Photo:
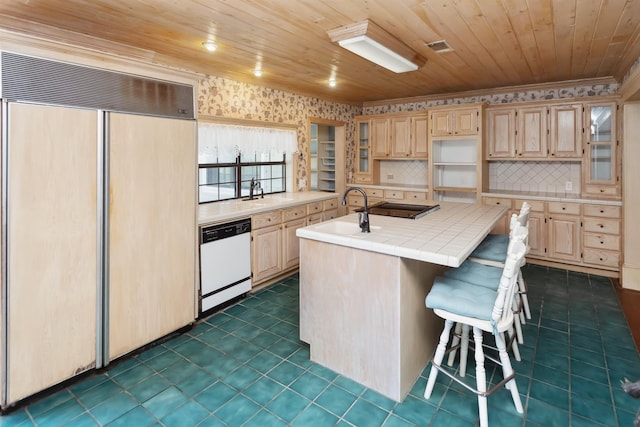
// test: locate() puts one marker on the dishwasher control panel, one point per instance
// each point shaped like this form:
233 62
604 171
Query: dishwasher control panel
222 231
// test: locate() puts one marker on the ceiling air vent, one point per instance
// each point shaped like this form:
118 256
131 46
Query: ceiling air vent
441 46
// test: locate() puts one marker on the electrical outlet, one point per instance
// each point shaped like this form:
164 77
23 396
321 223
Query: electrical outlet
568 186
389 176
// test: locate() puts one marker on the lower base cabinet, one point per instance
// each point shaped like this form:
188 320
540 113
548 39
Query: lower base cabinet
578 234
275 247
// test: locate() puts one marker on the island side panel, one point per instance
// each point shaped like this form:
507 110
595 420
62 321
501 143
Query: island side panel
420 327
363 315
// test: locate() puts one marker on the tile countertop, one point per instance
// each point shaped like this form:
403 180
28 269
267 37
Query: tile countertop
550 197
209 213
446 236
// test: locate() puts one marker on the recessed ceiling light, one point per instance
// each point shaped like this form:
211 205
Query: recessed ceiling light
210 45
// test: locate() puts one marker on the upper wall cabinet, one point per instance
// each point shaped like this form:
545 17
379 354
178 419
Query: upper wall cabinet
566 131
454 122
535 132
400 136
363 151
600 170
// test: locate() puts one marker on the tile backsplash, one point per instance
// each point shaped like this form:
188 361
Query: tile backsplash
548 177
408 172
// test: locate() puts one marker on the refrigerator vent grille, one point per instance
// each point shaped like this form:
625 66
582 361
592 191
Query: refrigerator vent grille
30 79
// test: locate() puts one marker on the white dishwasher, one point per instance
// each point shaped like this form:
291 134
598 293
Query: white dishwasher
225 262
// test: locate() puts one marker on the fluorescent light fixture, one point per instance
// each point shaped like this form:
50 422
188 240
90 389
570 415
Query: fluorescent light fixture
373 43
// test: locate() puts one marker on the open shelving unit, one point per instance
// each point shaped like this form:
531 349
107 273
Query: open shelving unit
455 165
323 158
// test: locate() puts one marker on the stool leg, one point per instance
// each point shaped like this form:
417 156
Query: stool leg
507 370
523 294
518 320
437 358
464 350
514 344
454 342
481 378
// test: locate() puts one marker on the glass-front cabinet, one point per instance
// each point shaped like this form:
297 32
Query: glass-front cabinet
601 169
363 151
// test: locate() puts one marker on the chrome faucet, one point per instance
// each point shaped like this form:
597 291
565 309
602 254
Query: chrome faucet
255 185
363 217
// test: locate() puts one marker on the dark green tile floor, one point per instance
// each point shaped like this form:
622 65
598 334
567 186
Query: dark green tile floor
246 367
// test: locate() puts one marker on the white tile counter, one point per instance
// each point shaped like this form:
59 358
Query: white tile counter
210 213
550 197
446 236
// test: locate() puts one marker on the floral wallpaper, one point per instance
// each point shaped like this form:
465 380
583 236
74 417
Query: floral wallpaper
231 99
500 98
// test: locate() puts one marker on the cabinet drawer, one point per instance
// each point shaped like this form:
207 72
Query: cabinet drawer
393 194
358 201
374 192
415 195
266 219
563 208
363 179
497 201
315 218
536 205
602 257
329 214
601 225
314 207
602 211
330 204
294 213
601 190
601 241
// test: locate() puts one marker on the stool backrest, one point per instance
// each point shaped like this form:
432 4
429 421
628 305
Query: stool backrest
509 278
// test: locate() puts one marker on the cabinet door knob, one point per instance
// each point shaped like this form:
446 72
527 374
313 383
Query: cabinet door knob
600 225
601 210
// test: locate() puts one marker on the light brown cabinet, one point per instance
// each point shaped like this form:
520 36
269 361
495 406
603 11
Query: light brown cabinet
566 131
454 122
601 168
531 140
534 132
601 235
274 243
363 173
564 233
380 137
501 133
569 233
399 137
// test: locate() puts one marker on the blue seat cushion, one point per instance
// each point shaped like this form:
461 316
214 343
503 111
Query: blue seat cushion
493 248
477 274
461 298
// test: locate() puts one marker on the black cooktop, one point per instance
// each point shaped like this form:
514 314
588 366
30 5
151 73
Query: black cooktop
401 210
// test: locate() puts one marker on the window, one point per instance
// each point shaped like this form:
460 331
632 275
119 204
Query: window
223 181
230 156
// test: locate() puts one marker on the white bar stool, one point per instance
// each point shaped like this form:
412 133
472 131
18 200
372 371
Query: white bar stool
482 309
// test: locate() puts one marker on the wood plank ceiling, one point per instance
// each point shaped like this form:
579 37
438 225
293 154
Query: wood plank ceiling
496 43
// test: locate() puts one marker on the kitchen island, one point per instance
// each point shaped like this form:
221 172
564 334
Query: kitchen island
362 294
